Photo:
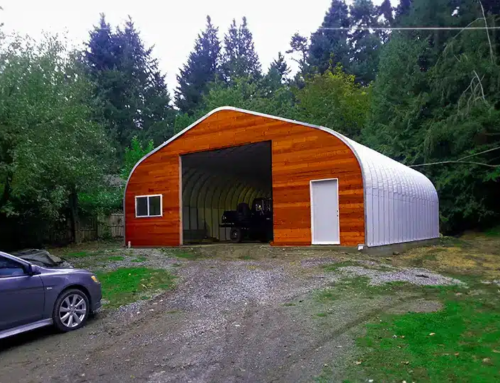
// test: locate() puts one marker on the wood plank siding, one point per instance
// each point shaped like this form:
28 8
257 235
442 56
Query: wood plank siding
299 154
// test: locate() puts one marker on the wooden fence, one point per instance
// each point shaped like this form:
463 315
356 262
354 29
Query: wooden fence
91 229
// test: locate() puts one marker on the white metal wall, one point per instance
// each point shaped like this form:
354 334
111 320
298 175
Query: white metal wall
401 204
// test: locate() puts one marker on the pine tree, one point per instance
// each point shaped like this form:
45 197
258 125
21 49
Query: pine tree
280 66
201 69
240 58
364 44
299 45
403 8
128 85
330 47
100 47
387 11
436 99
385 15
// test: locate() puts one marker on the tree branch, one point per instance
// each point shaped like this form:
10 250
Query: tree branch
492 54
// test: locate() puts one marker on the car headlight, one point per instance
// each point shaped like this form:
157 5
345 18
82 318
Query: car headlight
94 278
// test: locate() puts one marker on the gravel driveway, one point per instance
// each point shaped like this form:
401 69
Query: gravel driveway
227 321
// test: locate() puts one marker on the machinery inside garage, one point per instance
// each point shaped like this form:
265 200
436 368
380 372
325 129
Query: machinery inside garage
224 181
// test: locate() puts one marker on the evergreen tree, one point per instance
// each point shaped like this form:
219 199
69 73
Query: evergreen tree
201 69
299 45
385 16
280 66
364 44
330 47
387 11
403 8
100 55
128 85
240 58
436 99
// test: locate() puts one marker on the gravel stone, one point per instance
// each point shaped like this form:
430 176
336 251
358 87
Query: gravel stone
226 321
416 276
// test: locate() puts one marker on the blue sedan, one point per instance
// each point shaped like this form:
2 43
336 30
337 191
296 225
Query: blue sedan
32 296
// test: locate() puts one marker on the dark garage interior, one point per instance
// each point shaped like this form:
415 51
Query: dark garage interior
217 181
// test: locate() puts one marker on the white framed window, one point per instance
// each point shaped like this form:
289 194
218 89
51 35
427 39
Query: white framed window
149 205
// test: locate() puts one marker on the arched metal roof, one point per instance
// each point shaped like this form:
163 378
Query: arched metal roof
393 191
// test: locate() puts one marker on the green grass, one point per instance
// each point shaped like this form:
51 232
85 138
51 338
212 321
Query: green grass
326 295
288 304
78 254
115 258
493 232
464 345
321 315
127 285
139 259
336 266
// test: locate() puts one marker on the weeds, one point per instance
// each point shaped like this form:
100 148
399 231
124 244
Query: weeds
115 258
127 285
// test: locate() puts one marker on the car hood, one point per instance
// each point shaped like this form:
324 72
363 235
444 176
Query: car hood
46 271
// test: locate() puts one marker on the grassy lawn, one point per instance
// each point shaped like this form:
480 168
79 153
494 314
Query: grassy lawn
459 343
128 285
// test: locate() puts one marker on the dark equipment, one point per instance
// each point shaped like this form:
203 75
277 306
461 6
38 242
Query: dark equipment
254 223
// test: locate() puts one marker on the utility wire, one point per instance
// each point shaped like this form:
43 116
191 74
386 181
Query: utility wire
460 160
408 28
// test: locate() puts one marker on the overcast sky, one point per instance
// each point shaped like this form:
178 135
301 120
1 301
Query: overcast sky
170 25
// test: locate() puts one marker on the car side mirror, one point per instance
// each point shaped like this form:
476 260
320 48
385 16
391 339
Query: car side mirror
32 270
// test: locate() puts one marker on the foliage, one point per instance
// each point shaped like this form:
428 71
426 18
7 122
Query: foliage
128 285
364 44
50 148
334 100
240 58
133 154
436 99
331 47
280 66
133 96
267 95
202 68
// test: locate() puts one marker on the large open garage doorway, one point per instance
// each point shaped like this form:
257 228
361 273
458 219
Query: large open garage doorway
234 182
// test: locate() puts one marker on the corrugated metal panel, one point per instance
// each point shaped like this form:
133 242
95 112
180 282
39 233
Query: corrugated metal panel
401 204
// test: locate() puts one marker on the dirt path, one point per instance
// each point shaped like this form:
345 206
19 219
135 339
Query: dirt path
227 321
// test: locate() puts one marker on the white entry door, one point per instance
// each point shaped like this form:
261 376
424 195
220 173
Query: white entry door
325 212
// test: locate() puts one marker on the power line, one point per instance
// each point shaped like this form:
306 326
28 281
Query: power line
460 160
409 28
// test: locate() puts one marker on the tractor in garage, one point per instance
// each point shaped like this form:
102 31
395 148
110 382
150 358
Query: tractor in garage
255 223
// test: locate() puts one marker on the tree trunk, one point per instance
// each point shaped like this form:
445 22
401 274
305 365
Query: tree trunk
6 190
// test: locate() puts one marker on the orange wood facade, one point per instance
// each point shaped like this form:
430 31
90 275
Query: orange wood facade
299 154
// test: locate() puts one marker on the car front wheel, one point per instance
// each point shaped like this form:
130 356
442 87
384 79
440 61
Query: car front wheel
71 310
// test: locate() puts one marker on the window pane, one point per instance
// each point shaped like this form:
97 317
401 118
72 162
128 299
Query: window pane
9 268
154 205
142 206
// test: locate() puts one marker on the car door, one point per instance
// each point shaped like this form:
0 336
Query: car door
21 295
